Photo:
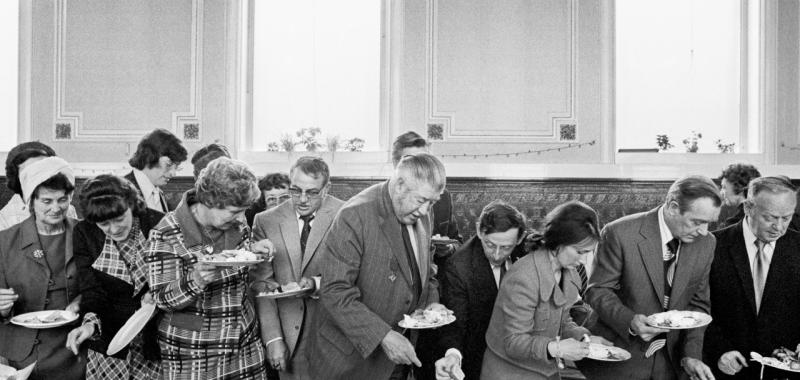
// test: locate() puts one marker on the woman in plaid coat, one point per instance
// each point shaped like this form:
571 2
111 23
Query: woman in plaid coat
208 329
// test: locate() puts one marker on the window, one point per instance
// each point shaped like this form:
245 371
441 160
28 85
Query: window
316 64
688 69
9 69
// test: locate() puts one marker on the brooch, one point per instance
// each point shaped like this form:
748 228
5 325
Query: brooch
38 253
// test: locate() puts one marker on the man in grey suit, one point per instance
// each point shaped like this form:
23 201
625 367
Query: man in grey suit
376 266
296 228
648 263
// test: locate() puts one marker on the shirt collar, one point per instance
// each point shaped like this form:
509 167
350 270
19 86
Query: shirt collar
749 237
145 185
666 234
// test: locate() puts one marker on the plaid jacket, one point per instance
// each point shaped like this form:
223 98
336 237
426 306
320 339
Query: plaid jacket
197 321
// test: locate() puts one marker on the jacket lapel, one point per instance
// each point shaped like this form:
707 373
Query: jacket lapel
70 226
481 267
738 256
30 244
322 220
291 238
651 252
390 227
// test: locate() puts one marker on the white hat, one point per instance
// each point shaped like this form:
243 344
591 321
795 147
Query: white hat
40 171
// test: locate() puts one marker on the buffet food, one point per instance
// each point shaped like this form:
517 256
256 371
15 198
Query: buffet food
427 318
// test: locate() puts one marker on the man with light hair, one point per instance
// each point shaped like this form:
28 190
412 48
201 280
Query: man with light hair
376 266
754 283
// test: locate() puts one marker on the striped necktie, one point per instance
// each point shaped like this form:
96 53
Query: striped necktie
584 279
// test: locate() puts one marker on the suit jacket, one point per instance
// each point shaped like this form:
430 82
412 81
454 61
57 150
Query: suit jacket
284 317
531 310
469 290
162 198
28 275
736 326
100 290
628 279
366 287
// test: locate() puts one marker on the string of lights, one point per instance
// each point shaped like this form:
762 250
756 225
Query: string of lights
517 154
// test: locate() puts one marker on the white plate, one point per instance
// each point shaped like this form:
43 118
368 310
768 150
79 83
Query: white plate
10 373
607 353
420 325
231 263
771 362
679 320
276 295
131 328
24 319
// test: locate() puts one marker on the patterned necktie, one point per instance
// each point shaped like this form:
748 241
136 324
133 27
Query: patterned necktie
669 274
584 279
306 230
760 268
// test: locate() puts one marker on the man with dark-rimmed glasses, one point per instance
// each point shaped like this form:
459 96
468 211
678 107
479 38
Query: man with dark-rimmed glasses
296 227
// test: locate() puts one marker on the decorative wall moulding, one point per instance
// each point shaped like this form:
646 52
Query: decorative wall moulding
191 131
70 123
542 90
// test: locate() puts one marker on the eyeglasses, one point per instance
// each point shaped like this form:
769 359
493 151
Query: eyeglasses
310 194
275 199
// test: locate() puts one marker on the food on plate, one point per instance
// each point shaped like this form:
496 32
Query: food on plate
288 287
676 319
788 357
426 317
230 255
55 316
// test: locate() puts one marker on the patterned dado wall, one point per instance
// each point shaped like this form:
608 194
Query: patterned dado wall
611 198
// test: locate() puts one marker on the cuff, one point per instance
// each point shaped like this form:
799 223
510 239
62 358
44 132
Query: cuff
91 318
318 284
454 351
273 340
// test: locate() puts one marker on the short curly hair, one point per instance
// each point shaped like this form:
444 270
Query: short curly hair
739 176
156 144
570 223
108 196
226 182
274 181
499 216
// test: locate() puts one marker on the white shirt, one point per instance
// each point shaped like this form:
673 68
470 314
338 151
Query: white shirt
666 235
300 222
151 193
496 272
750 241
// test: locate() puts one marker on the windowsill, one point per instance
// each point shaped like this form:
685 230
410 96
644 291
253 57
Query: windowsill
633 166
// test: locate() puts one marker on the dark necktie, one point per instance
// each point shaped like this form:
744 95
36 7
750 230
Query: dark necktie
502 272
584 279
412 262
306 230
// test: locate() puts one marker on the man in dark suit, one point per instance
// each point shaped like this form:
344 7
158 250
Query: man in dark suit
648 263
754 283
376 266
296 227
156 160
470 281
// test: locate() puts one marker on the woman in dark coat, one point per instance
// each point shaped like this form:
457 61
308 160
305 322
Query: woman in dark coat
38 272
109 247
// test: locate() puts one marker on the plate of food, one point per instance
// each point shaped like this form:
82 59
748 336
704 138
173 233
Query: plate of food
607 353
427 319
9 373
439 239
232 258
782 358
291 289
45 319
679 320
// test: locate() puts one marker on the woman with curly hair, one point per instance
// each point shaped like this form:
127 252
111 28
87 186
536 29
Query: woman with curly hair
109 247
733 189
208 329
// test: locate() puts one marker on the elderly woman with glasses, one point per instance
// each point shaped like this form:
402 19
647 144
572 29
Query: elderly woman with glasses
109 246
38 272
208 329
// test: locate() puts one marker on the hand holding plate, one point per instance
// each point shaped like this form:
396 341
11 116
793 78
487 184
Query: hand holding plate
7 299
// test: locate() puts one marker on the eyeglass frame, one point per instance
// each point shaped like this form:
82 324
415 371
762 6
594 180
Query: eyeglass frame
278 199
297 193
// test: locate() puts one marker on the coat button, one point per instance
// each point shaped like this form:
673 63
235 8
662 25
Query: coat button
408 302
69 277
297 327
46 301
36 341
